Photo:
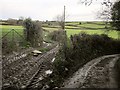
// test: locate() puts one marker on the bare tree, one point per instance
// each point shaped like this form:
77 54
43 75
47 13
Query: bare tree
89 2
115 12
20 20
60 21
105 14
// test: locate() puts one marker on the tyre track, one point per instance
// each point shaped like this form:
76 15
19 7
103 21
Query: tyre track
80 76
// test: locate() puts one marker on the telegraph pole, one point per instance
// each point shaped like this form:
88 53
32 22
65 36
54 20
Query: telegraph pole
64 18
65 37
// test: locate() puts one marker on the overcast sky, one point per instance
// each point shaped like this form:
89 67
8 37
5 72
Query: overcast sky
49 9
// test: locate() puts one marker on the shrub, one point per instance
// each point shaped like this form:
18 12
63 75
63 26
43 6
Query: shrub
59 35
33 32
8 47
80 23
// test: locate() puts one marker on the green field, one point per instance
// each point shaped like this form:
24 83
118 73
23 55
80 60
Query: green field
90 28
7 28
71 28
9 34
113 34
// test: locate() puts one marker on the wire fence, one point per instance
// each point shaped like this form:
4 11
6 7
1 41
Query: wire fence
12 41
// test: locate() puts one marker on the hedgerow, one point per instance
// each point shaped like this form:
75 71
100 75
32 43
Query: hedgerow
82 49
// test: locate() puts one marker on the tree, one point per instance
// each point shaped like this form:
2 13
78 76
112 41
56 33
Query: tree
60 21
115 12
12 21
105 15
33 32
20 20
89 2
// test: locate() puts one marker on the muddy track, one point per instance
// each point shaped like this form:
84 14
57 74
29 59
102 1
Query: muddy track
20 72
98 73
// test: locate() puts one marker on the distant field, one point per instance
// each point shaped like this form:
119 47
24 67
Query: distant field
7 32
71 28
90 28
7 28
113 34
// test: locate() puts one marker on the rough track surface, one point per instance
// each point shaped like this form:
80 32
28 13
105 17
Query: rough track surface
98 73
20 72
